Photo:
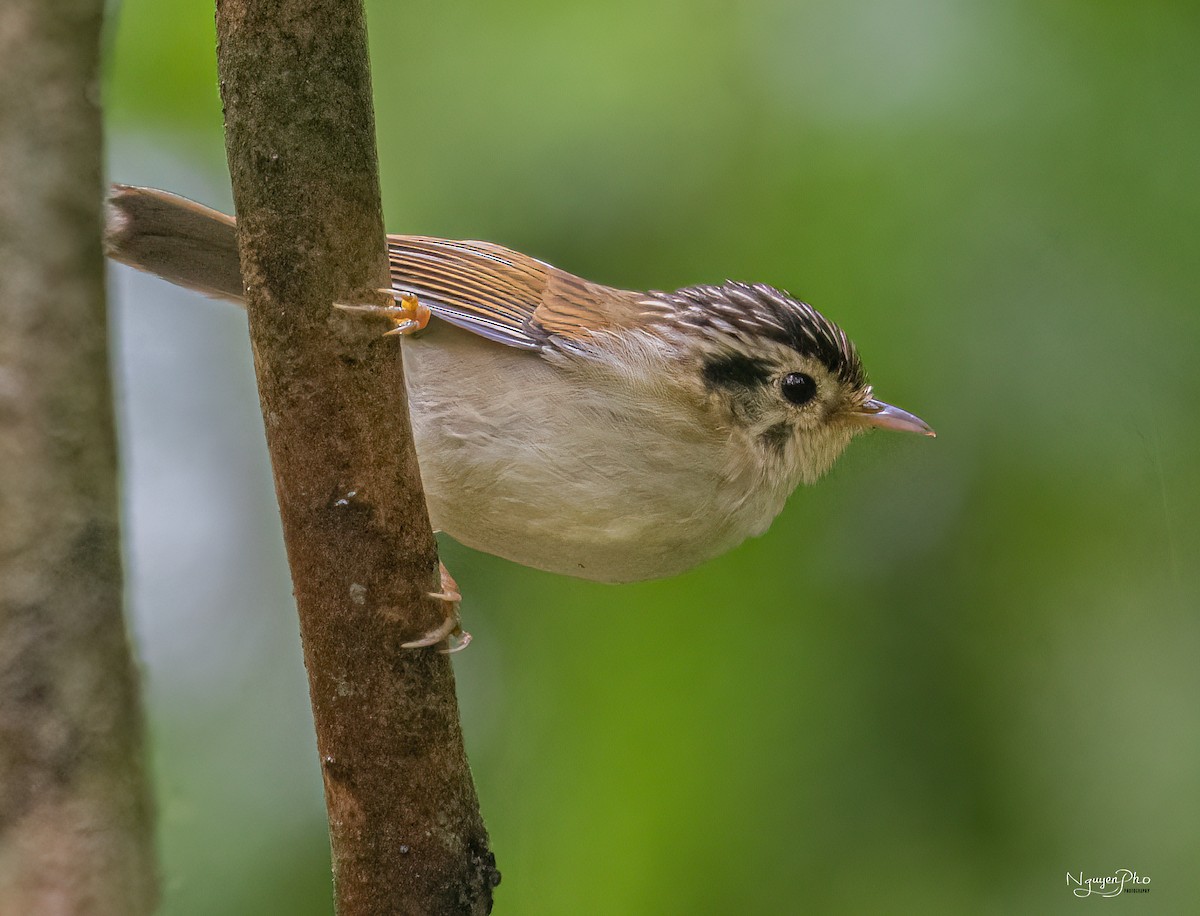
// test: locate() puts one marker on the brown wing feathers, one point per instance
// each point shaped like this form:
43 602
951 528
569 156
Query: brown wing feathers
483 288
504 295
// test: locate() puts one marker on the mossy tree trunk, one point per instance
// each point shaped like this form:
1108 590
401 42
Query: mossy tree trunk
76 819
405 828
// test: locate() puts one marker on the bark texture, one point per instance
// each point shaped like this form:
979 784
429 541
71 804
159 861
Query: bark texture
75 810
405 828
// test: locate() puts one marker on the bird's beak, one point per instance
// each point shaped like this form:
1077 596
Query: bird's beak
876 413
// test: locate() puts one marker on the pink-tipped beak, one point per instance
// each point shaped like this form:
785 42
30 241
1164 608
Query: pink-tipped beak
885 416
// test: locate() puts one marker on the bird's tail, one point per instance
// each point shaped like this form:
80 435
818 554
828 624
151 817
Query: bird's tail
176 238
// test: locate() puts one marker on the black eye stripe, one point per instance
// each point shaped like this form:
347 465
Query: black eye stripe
735 371
798 387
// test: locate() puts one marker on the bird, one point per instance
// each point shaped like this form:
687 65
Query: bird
569 426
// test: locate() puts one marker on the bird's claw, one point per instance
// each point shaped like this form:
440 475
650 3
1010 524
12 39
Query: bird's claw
450 630
406 313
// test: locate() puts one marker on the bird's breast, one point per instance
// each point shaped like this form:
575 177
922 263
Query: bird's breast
525 461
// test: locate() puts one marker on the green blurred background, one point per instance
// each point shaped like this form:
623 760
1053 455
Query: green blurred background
953 671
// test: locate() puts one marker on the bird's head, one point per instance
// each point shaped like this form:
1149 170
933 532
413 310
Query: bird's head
781 376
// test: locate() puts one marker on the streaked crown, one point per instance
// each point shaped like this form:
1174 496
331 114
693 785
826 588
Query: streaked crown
754 311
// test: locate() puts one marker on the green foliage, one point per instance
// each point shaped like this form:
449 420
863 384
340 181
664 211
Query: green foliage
951 672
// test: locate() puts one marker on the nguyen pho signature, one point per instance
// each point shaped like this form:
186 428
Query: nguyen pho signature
1109 885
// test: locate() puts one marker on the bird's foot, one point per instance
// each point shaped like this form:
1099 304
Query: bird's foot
450 630
406 313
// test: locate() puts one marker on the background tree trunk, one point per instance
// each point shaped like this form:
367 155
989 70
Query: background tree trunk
405 827
76 834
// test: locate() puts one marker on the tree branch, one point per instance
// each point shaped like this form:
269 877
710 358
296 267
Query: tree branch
76 825
405 828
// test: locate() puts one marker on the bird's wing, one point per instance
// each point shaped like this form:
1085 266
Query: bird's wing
504 295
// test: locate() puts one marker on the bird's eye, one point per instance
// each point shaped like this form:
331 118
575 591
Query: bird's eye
798 388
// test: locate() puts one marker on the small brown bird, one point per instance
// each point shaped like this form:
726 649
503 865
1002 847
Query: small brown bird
569 426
